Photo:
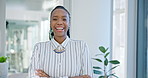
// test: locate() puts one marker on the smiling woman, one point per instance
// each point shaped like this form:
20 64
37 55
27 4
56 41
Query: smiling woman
61 57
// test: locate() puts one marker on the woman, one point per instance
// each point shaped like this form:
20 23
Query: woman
61 57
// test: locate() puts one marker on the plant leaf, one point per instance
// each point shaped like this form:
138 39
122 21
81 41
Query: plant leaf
99 60
114 75
110 75
106 54
98 54
102 49
106 62
3 59
101 76
97 72
97 67
106 49
114 62
112 68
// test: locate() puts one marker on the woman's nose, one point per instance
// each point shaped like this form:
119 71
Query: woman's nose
60 22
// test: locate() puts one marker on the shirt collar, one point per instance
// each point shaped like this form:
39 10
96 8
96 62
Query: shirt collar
64 43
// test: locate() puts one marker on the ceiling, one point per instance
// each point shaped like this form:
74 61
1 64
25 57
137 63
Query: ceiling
36 5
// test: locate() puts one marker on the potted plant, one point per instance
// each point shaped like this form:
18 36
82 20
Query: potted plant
3 67
103 71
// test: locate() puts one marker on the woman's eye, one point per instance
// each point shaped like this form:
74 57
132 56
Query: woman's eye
64 19
54 19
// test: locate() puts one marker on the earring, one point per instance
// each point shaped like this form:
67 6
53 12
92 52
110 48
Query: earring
51 34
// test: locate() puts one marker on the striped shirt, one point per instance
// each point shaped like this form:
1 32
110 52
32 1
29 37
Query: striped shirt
75 61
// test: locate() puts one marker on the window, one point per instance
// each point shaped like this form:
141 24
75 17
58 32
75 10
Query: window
21 36
119 36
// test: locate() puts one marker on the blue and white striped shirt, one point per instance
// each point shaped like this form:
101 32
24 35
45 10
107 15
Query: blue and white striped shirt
75 61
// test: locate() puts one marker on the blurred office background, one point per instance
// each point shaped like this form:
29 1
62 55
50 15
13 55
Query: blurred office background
28 23
120 25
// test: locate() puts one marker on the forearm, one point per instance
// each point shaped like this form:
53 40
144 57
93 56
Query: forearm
76 77
83 76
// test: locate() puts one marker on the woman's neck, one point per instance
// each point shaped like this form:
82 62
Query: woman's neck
60 39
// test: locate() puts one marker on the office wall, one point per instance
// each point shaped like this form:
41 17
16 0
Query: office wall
2 27
91 22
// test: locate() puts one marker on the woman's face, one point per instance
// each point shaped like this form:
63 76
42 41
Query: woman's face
60 22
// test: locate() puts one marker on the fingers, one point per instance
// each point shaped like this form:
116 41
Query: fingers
86 76
41 73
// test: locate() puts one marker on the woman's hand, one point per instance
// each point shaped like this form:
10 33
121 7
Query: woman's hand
41 73
86 76
83 76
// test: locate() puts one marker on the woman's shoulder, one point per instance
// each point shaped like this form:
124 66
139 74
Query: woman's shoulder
42 43
78 41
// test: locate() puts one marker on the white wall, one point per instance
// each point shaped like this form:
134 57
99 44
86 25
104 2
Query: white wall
2 27
91 22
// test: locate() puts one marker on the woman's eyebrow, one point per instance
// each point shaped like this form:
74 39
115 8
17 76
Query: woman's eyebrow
58 16
55 16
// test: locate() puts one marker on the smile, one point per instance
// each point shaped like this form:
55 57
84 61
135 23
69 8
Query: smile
59 29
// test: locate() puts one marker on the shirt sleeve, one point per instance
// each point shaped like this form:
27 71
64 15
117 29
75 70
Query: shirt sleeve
86 62
34 64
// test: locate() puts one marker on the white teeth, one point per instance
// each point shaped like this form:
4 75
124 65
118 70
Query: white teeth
59 28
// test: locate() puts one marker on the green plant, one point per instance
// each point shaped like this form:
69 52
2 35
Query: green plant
3 59
103 71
